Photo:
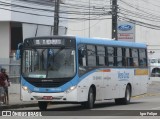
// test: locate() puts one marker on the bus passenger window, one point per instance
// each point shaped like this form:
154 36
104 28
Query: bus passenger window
101 55
91 55
126 57
142 58
119 57
135 57
111 56
129 61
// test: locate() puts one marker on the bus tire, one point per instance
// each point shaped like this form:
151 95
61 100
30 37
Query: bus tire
42 105
91 99
126 99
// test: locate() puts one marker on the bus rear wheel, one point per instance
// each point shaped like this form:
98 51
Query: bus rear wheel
42 105
126 99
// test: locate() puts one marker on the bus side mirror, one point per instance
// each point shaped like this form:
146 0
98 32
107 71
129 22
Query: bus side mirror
18 54
18 51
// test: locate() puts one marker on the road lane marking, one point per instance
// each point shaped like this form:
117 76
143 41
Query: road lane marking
155 108
144 95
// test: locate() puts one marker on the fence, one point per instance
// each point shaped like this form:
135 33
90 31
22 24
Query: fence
12 67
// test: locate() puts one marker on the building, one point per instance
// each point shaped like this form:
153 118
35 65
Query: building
25 18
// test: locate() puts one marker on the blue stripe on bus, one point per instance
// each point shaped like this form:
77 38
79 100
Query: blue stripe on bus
110 42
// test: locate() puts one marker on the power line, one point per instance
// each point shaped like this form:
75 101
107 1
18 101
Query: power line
138 16
73 18
88 27
139 10
49 10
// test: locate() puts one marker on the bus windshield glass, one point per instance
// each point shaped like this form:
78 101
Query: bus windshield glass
48 63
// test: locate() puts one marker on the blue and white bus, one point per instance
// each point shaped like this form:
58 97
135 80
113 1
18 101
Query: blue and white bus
81 70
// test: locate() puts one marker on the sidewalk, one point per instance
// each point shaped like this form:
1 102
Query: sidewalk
15 102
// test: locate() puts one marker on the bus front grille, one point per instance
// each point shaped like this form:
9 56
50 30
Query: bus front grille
47 84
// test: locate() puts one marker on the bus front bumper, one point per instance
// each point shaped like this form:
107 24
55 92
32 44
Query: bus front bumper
54 97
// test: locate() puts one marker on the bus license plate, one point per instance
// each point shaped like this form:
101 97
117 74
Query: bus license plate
47 97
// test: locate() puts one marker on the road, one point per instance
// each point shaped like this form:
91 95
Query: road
144 104
149 102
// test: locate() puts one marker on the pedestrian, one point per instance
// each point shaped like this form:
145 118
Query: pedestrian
2 91
6 85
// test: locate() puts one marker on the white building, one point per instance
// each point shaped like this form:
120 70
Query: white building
24 18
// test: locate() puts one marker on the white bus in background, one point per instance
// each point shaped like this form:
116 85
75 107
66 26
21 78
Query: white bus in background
154 64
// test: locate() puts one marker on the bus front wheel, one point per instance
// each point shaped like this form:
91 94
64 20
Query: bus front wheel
91 99
42 105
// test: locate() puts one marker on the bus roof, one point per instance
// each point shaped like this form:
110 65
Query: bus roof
102 41
99 41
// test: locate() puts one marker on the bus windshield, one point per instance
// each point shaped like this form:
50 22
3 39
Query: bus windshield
48 63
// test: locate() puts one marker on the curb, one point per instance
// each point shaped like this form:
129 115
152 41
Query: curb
15 106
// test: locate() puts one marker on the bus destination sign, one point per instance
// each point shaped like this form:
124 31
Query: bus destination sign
48 42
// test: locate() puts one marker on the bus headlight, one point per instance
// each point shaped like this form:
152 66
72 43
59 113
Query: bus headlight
71 89
25 88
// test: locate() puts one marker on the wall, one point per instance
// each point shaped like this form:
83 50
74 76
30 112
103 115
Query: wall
5 11
4 39
98 28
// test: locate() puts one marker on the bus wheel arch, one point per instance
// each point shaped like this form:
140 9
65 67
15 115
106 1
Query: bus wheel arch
127 96
94 90
89 104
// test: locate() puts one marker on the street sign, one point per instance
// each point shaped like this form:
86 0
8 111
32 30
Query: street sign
126 31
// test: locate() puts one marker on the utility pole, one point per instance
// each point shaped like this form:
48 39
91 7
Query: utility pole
89 19
114 20
56 17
